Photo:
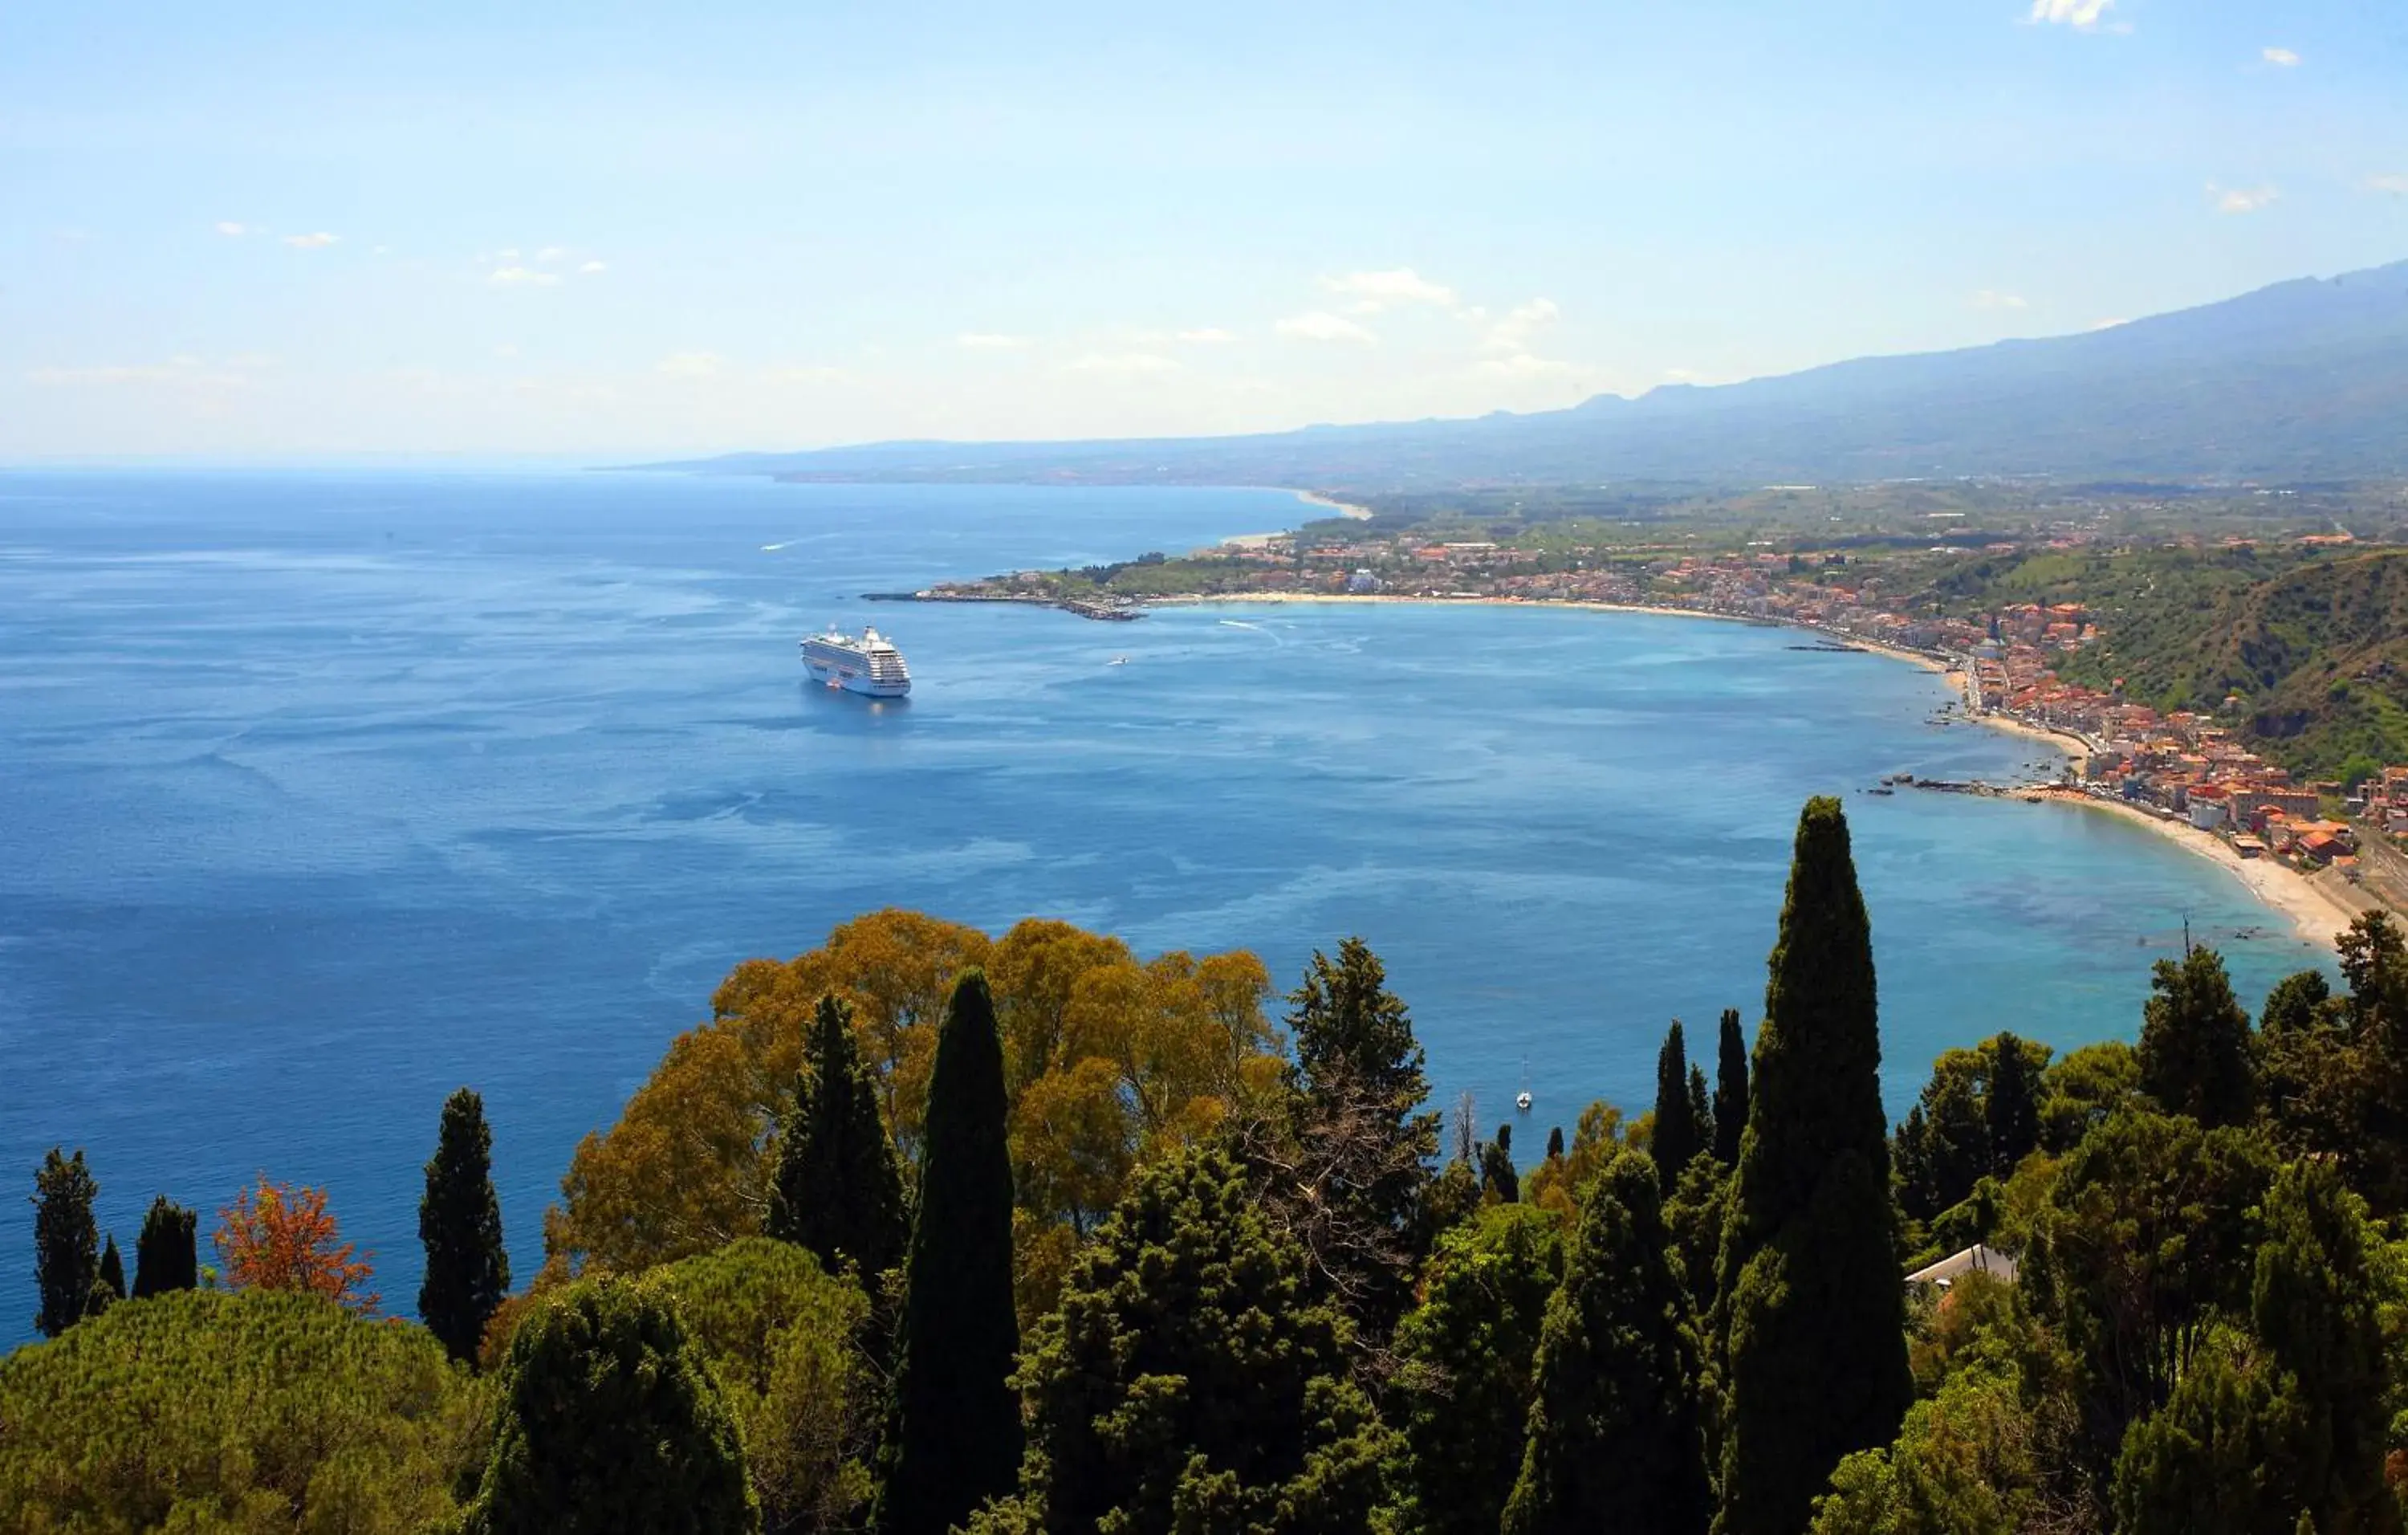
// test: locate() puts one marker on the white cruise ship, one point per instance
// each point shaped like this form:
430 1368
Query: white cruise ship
869 664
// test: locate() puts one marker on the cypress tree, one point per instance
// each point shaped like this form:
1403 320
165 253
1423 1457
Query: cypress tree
166 1255
953 1431
460 1223
2010 1108
1676 1138
2194 1042
1815 1343
1554 1143
1730 1090
1615 1436
109 1288
1701 1110
838 1190
66 1244
610 1420
1496 1173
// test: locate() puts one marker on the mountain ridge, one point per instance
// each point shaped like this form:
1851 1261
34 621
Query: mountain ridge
2302 379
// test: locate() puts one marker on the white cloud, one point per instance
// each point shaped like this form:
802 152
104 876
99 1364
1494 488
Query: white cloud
1321 325
2396 185
980 340
550 252
800 375
1523 366
2109 325
2242 199
2282 58
690 365
2080 15
1375 291
228 228
1126 364
522 277
1514 332
1205 336
1991 299
592 266
505 349
318 241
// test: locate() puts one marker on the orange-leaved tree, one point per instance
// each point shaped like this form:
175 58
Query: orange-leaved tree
275 1237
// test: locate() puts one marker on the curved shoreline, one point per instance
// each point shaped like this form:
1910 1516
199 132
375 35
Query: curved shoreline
2315 912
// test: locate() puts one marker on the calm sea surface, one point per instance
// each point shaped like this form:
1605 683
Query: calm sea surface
320 795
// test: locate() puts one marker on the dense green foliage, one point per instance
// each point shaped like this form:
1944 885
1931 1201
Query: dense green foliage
779 1336
837 1189
1461 1394
1815 1356
2195 1042
1189 1381
1617 1429
166 1255
460 1225
202 1411
953 1431
609 1421
66 1244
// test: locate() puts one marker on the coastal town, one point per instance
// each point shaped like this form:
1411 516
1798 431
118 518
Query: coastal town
2186 770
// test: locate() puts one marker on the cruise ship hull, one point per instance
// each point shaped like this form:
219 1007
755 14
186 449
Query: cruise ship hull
836 674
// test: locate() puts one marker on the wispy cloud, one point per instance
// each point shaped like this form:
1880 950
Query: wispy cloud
690 365
1514 332
1523 366
1991 299
2080 15
2282 58
2396 185
799 374
2109 325
1321 325
980 340
1205 336
522 277
2242 199
318 241
552 253
230 229
589 268
1375 291
1126 364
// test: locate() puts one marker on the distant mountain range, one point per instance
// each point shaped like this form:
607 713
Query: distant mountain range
2306 381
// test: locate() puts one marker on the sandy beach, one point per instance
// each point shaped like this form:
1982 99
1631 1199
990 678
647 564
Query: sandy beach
2318 907
1343 508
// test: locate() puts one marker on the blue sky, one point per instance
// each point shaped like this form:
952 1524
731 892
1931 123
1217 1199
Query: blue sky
598 231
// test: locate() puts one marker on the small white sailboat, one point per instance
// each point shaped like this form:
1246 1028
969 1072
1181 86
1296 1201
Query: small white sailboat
1522 1098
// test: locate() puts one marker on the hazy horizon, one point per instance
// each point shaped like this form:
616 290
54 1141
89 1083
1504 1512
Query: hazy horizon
556 241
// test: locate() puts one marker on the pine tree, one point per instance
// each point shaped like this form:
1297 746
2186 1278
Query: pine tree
2194 1042
460 1223
953 1432
1615 1436
838 1190
1730 1090
66 1244
166 1254
610 1420
1188 1380
1676 1137
108 1286
2011 1107
1815 1343
1359 1118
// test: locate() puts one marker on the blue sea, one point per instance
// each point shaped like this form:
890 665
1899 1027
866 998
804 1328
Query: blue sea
324 794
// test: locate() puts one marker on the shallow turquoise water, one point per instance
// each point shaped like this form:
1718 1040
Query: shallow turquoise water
326 794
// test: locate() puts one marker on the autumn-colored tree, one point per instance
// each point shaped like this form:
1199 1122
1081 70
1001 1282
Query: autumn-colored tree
275 1237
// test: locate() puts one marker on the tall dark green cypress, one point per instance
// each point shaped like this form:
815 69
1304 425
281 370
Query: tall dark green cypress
460 1223
109 1288
66 1244
1676 1137
954 1429
838 1189
1497 1171
1730 1090
2011 1107
1702 1108
1814 1340
166 1254
1616 1439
